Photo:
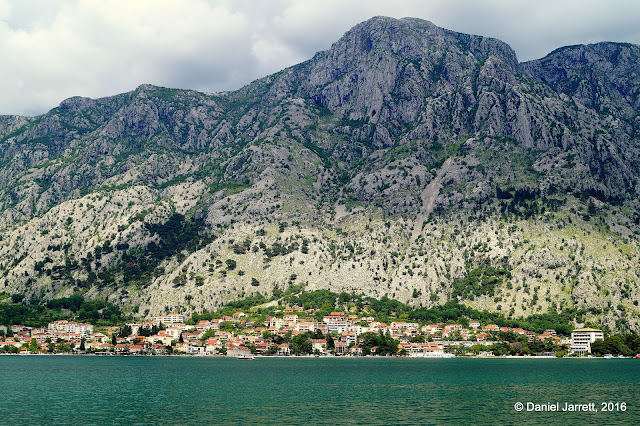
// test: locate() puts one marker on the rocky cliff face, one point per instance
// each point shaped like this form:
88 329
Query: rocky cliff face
407 160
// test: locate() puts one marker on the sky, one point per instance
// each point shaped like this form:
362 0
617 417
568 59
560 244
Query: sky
52 50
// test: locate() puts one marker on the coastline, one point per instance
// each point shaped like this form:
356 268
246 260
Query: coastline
304 356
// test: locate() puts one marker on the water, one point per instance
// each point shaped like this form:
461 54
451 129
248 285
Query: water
163 390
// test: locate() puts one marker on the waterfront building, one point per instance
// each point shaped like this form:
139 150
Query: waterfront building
582 338
319 345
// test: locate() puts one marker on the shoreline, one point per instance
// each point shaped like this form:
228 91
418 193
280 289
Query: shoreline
305 356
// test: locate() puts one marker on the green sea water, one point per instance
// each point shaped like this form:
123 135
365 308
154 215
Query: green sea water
163 390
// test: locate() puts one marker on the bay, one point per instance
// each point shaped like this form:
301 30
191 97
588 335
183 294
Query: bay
181 390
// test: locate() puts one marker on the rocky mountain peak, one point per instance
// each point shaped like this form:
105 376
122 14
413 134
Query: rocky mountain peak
384 69
604 76
76 103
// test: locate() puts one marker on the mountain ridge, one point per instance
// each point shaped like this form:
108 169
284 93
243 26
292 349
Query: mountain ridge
333 155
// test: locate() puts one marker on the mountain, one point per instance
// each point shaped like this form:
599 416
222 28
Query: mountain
406 161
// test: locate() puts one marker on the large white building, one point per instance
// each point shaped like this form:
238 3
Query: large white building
171 318
582 338
68 327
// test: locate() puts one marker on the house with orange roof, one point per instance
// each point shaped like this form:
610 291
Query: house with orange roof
321 327
263 347
42 337
355 350
273 322
136 349
348 336
411 332
290 318
174 332
319 345
105 347
159 349
238 316
17 328
203 325
304 327
340 347
164 338
212 346
335 323
481 337
431 329
544 336
284 349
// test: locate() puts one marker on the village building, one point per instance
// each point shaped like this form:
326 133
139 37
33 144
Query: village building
581 339
319 345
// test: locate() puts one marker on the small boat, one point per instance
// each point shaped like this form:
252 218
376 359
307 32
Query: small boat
245 357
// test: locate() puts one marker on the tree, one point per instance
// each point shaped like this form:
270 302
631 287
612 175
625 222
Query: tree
12 349
330 342
33 346
125 331
614 345
301 345
208 334
385 343
499 349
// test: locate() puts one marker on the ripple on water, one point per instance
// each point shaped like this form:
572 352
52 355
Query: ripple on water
141 390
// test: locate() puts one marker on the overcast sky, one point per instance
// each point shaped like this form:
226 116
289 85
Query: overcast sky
52 50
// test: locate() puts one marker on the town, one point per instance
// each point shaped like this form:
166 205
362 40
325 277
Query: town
294 331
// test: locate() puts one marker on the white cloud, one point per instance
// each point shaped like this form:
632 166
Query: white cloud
54 50
98 48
